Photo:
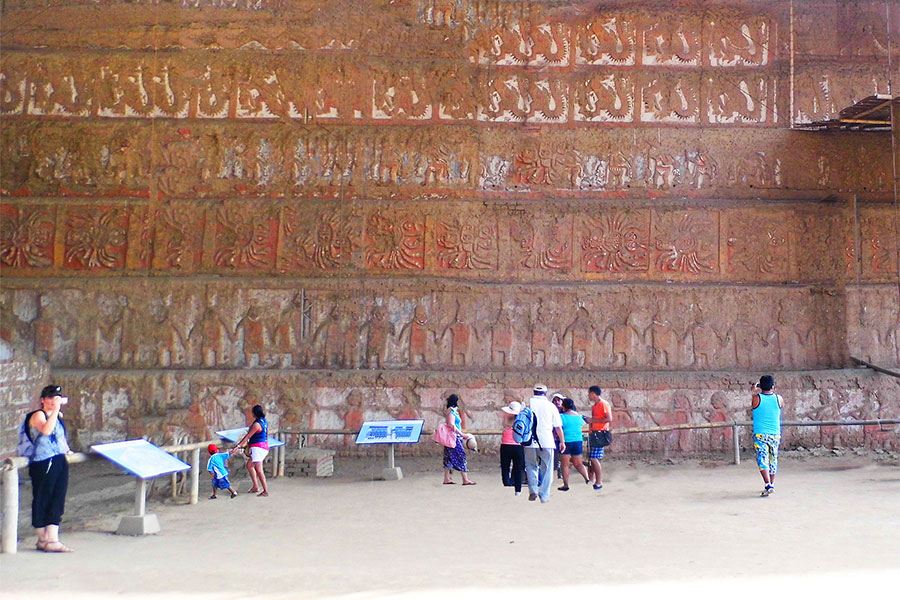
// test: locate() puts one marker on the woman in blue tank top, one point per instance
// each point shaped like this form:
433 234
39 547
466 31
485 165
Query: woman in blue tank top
256 440
49 469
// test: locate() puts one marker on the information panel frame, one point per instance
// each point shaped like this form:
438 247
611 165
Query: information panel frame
129 454
404 431
233 435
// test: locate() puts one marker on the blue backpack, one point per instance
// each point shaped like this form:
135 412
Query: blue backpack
26 447
524 427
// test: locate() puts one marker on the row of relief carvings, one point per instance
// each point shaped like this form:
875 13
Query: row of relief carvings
341 90
505 241
521 34
227 327
305 89
174 409
274 160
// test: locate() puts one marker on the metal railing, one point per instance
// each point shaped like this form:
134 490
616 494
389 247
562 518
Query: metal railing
9 482
301 435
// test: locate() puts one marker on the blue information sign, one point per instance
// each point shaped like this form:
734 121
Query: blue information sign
390 432
141 458
233 435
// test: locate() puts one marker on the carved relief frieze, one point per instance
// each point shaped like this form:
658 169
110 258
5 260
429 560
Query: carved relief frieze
737 40
541 243
759 247
466 242
394 240
616 243
605 97
26 236
668 97
178 240
245 237
672 40
740 99
606 39
95 237
325 239
685 242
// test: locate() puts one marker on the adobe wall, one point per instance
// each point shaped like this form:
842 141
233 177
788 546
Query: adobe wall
344 210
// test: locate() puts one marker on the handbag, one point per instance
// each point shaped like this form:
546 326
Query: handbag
444 435
600 439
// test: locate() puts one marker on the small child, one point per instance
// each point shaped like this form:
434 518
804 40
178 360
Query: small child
218 470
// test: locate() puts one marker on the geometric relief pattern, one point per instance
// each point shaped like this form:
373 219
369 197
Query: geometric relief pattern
468 243
541 243
510 241
686 242
245 237
26 236
616 243
325 240
758 247
96 237
395 241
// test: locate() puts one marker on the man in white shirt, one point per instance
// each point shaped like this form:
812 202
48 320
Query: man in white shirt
539 454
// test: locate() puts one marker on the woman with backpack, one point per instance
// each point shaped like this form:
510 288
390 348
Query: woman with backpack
48 468
455 458
512 454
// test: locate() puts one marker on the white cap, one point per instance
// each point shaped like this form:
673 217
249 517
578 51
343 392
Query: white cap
540 389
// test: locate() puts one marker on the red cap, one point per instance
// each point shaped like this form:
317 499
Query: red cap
212 448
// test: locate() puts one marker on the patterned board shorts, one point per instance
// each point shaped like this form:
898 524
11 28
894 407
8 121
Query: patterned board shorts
596 452
766 451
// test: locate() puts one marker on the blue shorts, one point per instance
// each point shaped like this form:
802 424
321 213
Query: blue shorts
221 483
574 449
597 452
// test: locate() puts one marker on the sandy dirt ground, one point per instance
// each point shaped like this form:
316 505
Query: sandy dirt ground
689 529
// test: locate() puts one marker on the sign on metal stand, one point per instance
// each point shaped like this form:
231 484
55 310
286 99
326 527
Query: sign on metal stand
390 433
145 461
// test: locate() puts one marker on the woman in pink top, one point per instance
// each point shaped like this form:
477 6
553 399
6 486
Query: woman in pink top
512 454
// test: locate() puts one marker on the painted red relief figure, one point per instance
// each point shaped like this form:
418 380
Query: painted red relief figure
501 329
379 330
680 414
460 333
578 339
717 412
542 335
353 415
210 337
420 337
625 419
255 342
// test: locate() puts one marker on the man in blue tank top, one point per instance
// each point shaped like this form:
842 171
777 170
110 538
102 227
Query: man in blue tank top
766 408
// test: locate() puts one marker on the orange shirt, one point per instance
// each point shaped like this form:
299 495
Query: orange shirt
600 410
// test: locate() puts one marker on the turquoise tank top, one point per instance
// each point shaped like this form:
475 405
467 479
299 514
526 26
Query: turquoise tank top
767 416
572 425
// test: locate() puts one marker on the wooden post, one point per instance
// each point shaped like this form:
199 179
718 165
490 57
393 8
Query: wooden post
10 533
174 478
736 438
281 460
195 475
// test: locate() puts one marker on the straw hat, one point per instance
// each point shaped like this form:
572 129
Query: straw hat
514 408
471 443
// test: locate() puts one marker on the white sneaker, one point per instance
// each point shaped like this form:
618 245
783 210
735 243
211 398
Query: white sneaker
518 493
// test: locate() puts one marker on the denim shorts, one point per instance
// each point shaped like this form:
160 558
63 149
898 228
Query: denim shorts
221 483
574 448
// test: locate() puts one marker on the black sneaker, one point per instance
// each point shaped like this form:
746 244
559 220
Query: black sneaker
532 497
